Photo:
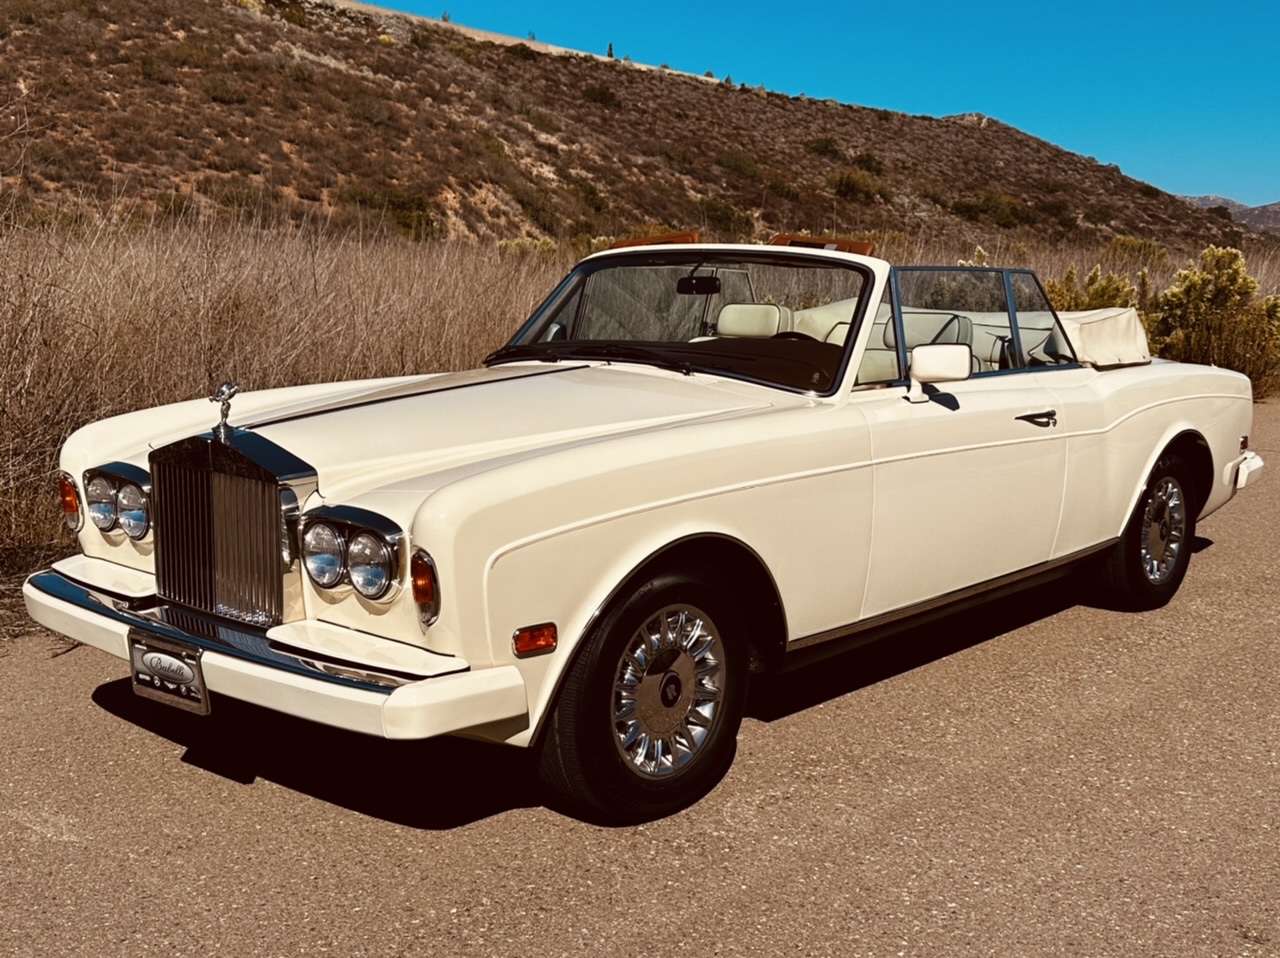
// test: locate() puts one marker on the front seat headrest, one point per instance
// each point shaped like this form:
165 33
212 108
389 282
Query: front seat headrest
757 320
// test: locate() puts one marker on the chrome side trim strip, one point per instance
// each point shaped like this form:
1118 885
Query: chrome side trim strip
913 614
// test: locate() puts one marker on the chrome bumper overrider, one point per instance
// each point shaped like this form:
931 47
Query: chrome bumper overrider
1249 470
245 663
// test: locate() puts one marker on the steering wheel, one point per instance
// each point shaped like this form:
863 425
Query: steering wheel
794 334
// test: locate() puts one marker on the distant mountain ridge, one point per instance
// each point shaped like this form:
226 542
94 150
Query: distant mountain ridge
1265 217
303 108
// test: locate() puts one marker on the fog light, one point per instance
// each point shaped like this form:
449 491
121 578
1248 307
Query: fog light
534 640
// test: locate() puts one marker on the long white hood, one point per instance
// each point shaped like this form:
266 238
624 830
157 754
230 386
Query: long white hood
406 432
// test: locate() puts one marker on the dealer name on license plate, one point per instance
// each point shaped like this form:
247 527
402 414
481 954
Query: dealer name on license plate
168 672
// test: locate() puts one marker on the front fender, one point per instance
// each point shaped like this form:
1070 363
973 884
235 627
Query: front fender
568 579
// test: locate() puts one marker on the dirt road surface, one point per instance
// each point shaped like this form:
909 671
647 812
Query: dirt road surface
1035 777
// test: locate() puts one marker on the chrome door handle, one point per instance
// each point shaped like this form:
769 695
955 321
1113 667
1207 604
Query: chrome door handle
1042 419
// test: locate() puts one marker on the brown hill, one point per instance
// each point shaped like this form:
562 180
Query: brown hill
1265 217
298 108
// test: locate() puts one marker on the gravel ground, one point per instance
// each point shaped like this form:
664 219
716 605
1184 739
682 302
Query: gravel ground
1035 777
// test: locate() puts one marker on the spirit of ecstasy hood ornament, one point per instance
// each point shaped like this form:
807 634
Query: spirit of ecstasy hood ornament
223 395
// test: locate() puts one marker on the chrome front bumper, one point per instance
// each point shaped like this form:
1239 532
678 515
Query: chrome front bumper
440 695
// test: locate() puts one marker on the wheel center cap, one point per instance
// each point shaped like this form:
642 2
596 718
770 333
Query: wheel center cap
669 691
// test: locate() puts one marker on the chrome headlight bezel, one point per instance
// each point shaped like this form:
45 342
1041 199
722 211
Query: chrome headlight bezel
338 549
381 557
115 476
100 502
350 524
134 520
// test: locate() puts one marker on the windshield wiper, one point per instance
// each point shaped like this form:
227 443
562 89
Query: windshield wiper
509 354
587 349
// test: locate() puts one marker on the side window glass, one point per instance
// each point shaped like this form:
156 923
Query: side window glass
1043 342
880 360
958 306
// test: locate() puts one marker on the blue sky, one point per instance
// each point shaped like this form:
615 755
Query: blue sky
1183 95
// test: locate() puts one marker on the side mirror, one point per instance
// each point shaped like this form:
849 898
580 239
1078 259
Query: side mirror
938 363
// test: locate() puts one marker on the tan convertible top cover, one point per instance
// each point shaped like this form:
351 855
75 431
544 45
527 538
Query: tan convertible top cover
1107 337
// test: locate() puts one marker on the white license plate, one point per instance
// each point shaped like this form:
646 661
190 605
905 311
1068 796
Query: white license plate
168 672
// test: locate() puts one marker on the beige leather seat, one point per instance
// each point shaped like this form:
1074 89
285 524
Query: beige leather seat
750 320
824 323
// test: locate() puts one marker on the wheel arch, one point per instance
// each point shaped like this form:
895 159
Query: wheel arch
735 563
1190 444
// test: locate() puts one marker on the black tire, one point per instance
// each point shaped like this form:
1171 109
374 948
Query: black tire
580 760
1123 579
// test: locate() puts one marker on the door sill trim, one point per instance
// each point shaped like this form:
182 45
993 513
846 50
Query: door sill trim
833 641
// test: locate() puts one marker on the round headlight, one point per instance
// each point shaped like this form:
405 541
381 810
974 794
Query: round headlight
131 509
369 565
322 555
101 494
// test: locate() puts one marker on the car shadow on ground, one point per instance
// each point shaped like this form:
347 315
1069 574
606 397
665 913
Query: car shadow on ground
774 697
435 784
447 782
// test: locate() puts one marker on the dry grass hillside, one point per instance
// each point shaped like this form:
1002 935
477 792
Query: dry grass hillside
297 108
102 317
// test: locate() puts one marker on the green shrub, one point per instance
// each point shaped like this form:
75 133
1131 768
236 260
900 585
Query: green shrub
221 88
1211 313
602 95
870 162
1056 209
825 146
726 219
156 71
858 186
1137 250
782 189
740 163
1101 213
1099 291
411 211
998 208
520 51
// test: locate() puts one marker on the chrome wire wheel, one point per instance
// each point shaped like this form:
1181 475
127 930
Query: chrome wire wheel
1163 531
668 691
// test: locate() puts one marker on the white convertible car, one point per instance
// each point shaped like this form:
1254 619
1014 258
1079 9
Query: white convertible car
692 463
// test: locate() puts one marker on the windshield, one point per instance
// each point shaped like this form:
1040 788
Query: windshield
782 320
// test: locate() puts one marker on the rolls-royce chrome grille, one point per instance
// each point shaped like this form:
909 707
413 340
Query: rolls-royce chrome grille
220 535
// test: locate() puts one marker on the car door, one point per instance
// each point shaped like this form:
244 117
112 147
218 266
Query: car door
967 486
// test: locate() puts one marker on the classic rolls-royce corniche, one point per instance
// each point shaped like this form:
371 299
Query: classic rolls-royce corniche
694 462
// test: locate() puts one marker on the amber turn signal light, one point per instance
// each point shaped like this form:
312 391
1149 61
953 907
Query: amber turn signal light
426 587
534 640
69 499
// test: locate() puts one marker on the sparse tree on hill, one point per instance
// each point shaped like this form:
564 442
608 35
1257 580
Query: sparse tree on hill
609 52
